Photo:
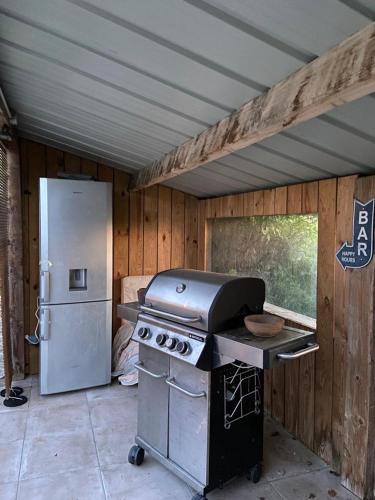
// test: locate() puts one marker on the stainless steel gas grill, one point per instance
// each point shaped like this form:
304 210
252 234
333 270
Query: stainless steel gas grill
200 408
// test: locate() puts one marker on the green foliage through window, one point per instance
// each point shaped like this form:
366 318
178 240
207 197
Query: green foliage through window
280 249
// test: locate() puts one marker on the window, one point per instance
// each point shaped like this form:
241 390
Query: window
280 249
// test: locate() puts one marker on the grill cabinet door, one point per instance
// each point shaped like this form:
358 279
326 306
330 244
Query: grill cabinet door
153 399
188 424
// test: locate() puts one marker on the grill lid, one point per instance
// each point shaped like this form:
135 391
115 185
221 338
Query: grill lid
207 301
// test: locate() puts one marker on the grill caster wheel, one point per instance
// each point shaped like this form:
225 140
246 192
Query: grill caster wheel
136 455
198 496
255 473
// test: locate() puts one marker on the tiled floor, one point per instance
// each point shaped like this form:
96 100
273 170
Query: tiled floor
75 446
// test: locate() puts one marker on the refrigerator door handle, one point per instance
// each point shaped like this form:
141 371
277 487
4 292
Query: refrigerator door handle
45 322
44 287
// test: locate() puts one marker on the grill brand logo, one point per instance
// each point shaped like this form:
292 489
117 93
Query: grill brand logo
360 252
196 337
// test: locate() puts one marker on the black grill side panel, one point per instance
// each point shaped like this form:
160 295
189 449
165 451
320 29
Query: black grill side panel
235 450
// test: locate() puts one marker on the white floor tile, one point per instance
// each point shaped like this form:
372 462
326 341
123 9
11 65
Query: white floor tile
38 401
242 489
84 484
113 445
320 485
150 481
10 459
285 456
58 453
47 420
12 426
8 491
114 415
114 392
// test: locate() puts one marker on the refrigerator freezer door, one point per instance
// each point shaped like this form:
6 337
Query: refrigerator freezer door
75 241
76 352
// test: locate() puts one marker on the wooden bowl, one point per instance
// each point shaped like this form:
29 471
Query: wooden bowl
264 325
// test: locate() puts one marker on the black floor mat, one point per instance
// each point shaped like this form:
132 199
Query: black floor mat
15 391
14 401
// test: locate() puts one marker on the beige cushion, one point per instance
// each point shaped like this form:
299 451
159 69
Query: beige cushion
130 285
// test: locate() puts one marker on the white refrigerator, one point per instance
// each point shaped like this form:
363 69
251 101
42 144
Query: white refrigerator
75 229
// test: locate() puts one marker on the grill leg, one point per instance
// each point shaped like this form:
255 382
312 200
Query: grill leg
255 473
198 496
136 455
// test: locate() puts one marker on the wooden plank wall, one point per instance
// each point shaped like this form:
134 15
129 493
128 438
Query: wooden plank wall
148 236
306 396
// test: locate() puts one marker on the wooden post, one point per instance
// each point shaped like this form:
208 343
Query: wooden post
325 319
36 163
344 232
15 268
358 467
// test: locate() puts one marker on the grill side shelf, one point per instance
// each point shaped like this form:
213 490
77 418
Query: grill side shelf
241 345
128 311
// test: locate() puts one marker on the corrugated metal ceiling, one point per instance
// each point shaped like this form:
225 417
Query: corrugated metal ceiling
125 81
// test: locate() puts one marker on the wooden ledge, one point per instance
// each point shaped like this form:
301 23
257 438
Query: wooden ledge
289 315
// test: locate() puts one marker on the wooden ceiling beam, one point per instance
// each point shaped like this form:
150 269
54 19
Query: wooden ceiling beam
344 73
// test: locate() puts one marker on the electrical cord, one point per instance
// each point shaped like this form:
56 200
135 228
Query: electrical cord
34 339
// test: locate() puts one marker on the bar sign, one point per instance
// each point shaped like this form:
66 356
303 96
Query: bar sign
360 252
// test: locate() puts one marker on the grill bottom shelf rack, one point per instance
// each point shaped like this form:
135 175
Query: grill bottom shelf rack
242 393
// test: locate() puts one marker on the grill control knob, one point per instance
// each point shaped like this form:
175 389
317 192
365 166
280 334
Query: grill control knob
171 343
161 339
144 333
183 348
